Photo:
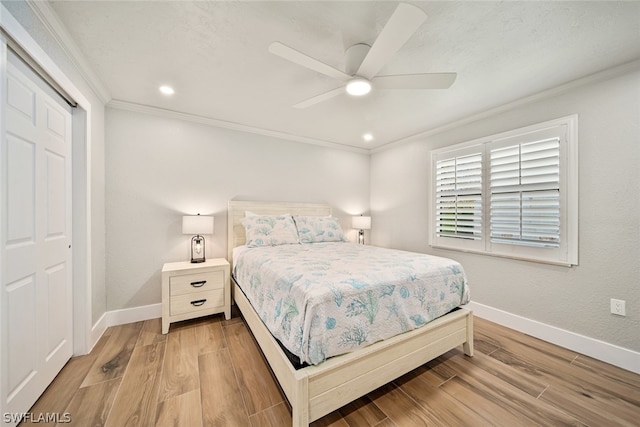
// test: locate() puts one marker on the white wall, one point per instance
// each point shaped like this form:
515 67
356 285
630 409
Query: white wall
158 169
574 299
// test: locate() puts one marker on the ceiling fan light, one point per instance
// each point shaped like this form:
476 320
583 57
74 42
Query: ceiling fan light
166 90
358 86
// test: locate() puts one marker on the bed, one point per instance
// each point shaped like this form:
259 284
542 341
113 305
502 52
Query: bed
329 382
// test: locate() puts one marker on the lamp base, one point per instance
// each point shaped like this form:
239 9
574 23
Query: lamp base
197 249
361 237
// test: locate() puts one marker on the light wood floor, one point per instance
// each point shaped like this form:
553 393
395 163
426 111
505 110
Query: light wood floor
211 372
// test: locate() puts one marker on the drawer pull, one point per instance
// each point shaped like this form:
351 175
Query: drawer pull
198 303
198 284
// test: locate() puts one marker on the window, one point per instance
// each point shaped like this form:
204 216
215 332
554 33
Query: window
512 194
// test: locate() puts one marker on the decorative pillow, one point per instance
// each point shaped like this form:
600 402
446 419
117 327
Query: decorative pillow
315 229
270 230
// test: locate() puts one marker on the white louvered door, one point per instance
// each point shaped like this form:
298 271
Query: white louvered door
36 237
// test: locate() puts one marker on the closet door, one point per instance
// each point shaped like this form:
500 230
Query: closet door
36 311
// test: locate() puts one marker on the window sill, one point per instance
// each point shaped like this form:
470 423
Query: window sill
507 256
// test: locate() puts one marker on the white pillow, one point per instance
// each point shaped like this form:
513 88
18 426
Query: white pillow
270 230
316 229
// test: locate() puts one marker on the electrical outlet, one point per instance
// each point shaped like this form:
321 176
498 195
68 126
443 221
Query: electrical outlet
618 307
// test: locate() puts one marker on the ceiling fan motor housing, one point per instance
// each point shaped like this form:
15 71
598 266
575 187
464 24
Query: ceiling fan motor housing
354 56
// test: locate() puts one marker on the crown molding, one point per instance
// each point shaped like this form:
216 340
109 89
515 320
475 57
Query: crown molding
596 77
171 114
60 34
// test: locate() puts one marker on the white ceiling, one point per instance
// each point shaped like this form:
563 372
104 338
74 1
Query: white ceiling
214 53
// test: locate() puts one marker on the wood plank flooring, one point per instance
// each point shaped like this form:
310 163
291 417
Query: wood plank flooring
210 372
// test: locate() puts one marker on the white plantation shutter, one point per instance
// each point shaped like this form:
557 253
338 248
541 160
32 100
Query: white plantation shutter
514 194
525 193
459 197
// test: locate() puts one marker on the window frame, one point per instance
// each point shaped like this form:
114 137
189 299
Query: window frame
567 252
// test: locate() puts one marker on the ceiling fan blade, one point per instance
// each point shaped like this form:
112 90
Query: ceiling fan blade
415 81
306 61
403 23
319 98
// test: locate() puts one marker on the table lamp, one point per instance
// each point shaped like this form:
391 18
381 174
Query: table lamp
198 225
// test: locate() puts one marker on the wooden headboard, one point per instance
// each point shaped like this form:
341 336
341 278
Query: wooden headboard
236 211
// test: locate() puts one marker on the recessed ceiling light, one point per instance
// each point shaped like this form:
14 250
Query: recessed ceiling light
367 137
358 86
167 90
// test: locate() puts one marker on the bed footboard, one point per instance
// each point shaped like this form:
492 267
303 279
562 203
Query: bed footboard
317 390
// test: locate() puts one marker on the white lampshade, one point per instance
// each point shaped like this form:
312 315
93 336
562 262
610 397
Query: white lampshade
197 224
361 222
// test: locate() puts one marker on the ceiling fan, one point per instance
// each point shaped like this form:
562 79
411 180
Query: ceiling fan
362 62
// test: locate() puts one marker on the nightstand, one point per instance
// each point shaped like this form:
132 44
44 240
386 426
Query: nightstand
193 290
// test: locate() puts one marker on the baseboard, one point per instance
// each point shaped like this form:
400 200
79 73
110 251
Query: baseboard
97 330
120 317
606 352
134 314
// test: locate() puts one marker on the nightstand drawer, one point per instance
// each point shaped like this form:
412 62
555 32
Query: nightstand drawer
196 282
189 303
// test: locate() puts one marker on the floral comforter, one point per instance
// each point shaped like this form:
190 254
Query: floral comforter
325 299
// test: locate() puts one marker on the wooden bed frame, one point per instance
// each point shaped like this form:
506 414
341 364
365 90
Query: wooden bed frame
315 391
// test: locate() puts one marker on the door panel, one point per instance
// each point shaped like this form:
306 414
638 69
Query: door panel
20 226
21 299
56 197
36 248
56 284
22 99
